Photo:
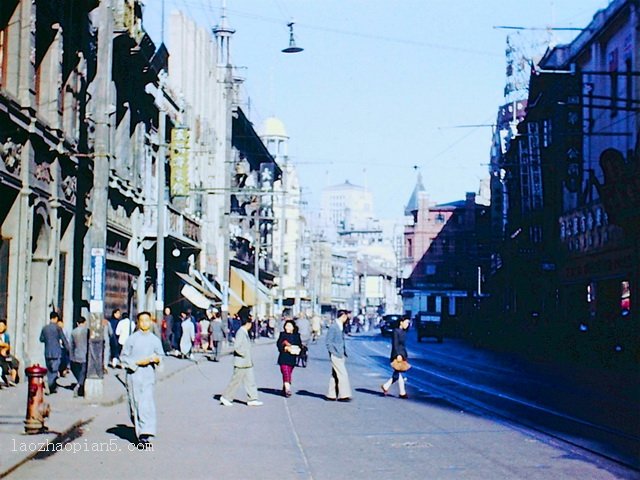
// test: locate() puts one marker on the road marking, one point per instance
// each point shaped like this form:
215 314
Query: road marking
298 442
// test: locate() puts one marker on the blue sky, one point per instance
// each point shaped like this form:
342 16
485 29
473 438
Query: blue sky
380 83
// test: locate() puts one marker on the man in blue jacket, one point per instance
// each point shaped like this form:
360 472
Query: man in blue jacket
339 385
54 339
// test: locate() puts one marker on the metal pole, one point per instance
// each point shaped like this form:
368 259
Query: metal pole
100 193
283 224
256 261
161 209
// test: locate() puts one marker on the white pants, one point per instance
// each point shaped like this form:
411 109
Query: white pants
339 385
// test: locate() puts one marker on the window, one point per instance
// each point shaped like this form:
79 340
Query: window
285 263
613 71
440 218
409 248
625 298
430 269
452 306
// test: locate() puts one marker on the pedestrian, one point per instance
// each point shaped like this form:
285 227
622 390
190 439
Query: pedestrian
63 369
188 335
218 333
204 324
53 337
339 385
316 328
116 316
290 346
242 367
107 335
177 334
124 329
9 365
167 330
398 352
78 354
140 356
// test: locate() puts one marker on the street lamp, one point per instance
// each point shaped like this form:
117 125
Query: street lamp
292 48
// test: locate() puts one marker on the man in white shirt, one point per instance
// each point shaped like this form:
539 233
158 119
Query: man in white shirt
124 329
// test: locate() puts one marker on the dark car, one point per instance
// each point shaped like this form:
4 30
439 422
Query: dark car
388 323
428 325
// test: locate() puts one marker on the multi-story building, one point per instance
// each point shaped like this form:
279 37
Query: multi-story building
445 257
568 274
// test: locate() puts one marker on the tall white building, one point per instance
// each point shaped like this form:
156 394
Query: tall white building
347 207
289 222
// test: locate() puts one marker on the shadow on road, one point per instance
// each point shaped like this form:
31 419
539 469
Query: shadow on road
306 393
375 393
125 432
271 391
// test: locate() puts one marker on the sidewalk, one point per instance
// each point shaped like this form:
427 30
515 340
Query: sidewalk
69 412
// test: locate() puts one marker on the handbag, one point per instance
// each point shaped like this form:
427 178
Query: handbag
400 365
294 350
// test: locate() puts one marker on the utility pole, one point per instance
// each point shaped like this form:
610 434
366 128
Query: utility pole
223 34
256 261
98 229
162 122
282 229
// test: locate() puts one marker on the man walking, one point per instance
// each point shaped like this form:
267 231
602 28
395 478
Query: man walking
339 386
116 316
54 339
140 355
242 367
218 332
78 354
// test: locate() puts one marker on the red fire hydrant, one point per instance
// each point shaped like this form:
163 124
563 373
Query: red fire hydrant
37 409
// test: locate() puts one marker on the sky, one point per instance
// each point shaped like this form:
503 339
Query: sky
382 86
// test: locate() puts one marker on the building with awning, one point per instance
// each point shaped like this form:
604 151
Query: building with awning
251 290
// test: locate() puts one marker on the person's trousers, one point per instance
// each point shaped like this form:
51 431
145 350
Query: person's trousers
287 371
79 370
245 377
53 365
339 385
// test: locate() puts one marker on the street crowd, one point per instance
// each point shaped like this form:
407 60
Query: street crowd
138 346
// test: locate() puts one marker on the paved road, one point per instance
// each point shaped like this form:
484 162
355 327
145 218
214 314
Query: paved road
306 437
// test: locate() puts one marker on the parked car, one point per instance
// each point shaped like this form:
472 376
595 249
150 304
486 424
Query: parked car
388 323
428 325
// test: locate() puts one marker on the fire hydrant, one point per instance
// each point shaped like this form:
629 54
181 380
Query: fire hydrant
37 408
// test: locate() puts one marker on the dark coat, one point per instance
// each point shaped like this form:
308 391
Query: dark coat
285 358
52 336
398 346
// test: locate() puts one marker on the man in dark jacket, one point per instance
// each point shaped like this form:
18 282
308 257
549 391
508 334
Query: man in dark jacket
78 355
54 339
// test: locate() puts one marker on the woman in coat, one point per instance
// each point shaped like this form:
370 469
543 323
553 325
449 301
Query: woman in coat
398 352
289 345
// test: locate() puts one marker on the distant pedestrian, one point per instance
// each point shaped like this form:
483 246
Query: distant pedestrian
339 385
9 365
63 369
177 334
218 333
107 335
242 368
53 337
398 352
290 347
78 354
203 327
123 330
188 335
167 330
140 356
116 316
316 327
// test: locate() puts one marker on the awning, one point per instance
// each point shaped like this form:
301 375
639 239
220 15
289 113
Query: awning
245 283
203 291
195 297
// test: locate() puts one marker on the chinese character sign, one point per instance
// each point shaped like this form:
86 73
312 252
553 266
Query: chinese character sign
179 162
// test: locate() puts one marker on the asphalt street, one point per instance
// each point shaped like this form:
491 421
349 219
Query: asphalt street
306 437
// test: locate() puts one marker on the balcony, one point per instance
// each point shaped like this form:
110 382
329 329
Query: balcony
178 225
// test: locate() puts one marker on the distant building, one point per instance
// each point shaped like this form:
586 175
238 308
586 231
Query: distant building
445 256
